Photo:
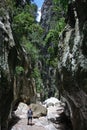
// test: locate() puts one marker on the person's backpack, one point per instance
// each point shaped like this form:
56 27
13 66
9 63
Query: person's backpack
30 113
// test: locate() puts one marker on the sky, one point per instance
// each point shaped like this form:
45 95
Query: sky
39 4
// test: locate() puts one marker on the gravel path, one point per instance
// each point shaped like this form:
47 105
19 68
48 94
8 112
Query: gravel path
22 125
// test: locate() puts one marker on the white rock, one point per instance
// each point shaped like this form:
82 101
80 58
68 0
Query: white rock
21 111
50 127
52 100
52 113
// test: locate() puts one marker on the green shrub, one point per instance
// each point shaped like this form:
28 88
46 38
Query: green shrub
37 76
19 70
21 23
31 50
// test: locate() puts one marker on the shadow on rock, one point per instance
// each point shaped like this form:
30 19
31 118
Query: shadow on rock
63 119
13 121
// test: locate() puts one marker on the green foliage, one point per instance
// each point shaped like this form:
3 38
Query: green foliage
51 36
60 25
29 34
50 50
2 12
24 24
19 70
36 33
36 75
52 62
61 5
51 41
10 5
64 4
31 50
36 28
21 24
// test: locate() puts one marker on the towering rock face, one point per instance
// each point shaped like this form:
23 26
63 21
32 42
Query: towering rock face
46 12
72 63
49 15
6 75
13 87
48 20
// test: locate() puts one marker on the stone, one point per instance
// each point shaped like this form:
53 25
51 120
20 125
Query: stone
38 110
21 111
52 102
72 64
39 123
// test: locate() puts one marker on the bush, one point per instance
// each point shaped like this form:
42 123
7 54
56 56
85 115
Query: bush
36 75
19 70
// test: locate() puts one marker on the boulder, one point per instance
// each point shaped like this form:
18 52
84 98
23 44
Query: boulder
38 110
52 102
21 111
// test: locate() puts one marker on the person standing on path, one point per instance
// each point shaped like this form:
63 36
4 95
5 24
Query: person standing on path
29 116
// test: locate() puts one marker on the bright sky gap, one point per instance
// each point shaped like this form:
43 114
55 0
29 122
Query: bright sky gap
39 4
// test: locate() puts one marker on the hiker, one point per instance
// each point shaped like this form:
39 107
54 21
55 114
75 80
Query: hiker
29 116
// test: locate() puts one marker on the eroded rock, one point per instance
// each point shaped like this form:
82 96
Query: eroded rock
72 65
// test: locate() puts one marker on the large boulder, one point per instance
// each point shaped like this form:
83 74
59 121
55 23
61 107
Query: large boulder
40 122
52 102
21 111
38 110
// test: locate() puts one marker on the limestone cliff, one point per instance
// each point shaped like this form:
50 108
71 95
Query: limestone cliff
46 12
13 87
72 63
48 21
49 15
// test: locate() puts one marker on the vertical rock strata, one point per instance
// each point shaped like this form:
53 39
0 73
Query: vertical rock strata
6 72
46 12
72 63
13 88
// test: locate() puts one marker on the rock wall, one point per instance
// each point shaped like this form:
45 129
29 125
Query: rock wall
46 12
6 75
49 16
72 63
48 72
13 88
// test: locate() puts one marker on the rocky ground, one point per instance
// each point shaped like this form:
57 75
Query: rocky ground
51 109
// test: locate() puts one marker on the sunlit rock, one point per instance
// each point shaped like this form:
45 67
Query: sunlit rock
21 111
51 102
38 110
